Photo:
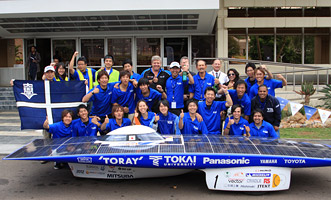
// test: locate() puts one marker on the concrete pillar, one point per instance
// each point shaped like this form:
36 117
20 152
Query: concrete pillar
221 34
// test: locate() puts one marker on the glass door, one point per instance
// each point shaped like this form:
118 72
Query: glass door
175 48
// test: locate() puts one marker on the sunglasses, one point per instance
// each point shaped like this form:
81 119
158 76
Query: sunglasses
231 74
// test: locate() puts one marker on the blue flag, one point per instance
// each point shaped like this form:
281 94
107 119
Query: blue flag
37 99
309 111
282 102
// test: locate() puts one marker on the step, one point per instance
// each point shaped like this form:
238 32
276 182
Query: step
8 108
6 93
12 98
6 89
7 103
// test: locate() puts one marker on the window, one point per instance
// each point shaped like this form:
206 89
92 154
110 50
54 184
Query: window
93 50
63 50
203 47
120 48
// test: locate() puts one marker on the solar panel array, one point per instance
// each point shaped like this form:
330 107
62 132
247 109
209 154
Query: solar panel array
179 144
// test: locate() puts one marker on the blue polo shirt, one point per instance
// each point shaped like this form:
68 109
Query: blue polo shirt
102 101
249 85
112 125
154 97
149 121
245 101
85 74
271 84
59 130
237 129
80 129
125 99
266 130
193 127
135 76
175 91
200 85
168 124
211 116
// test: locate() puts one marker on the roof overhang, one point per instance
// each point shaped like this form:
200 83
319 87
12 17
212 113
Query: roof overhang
63 18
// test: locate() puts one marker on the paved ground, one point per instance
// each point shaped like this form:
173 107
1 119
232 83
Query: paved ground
32 180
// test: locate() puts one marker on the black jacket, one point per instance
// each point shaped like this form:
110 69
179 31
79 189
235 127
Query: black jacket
271 111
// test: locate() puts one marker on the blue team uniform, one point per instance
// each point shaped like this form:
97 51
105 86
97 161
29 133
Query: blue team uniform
154 97
175 91
149 121
168 124
266 130
85 74
271 84
135 76
200 85
237 129
59 130
102 101
125 99
112 125
245 101
80 129
212 117
249 85
193 127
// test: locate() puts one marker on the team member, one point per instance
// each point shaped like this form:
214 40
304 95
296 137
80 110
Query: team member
143 116
175 88
271 84
85 126
188 122
124 94
60 72
113 73
239 96
127 65
201 81
117 121
168 122
210 110
101 97
155 74
151 96
82 72
269 105
250 80
233 75
49 73
185 66
261 128
236 125
220 77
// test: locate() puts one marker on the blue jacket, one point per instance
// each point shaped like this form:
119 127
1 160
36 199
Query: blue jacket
271 109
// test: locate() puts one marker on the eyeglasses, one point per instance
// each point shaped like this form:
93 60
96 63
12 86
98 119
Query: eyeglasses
231 74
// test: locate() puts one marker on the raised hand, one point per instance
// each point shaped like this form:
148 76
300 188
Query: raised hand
159 88
96 90
181 114
106 120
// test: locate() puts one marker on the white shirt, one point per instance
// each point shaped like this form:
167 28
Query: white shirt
222 77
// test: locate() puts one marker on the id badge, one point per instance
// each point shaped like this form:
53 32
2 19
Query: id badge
173 104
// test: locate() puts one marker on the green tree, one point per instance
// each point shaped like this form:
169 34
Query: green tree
233 47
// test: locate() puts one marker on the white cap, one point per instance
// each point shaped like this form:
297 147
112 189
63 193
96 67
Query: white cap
174 64
47 68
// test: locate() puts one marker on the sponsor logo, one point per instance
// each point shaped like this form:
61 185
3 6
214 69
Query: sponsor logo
169 122
120 161
215 112
80 171
156 160
28 90
295 161
84 159
239 174
268 161
92 167
180 160
254 180
179 83
275 180
263 186
258 174
95 172
247 186
120 176
270 109
207 160
235 180
266 180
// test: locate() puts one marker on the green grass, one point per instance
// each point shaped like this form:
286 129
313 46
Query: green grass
306 133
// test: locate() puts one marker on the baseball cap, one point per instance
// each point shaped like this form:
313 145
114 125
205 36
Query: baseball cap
47 68
174 64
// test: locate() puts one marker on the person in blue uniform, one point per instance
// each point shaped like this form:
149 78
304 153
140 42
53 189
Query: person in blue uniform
151 96
101 97
239 96
236 125
271 84
201 81
167 121
117 121
261 128
188 122
175 87
251 80
143 116
124 94
127 65
85 126
210 110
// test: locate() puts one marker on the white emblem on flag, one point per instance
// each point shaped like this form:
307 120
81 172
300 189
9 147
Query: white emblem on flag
28 90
